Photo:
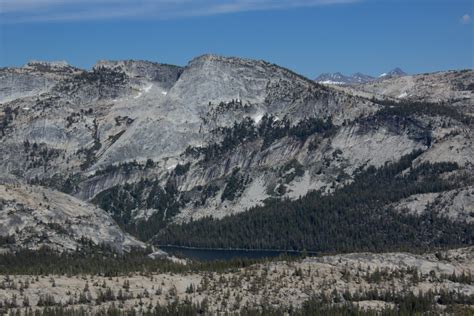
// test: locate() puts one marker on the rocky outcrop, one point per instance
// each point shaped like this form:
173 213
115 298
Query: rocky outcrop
32 217
456 205
32 79
162 74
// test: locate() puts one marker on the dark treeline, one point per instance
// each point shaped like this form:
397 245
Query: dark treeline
100 261
409 108
354 218
120 200
9 115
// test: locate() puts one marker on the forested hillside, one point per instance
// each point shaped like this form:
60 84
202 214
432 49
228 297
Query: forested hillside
354 218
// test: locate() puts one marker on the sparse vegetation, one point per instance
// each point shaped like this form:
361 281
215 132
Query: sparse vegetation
269 129
291 287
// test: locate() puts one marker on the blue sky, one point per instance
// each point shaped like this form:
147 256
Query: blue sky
308 36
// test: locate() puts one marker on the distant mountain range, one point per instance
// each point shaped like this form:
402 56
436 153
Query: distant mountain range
357 78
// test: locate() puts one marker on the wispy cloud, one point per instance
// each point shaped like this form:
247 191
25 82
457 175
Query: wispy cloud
20 11
466 19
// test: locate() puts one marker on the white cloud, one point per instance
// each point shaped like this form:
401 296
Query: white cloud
466 19
17 11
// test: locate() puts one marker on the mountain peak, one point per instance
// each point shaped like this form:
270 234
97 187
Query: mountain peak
46 65
396 72
224 59
338 78
54 63
341 79
165 75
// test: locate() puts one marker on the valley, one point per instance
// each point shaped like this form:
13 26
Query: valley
373 179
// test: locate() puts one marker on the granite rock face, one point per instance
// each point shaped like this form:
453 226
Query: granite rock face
217 120
34 216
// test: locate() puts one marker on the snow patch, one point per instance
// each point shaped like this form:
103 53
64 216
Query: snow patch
143 214
147 88
144 90
172 166
403 95
164 92
332 82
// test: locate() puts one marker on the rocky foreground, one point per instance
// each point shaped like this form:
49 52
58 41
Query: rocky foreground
370 281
